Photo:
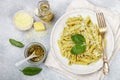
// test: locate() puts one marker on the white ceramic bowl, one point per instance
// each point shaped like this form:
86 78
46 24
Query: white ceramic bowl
63 62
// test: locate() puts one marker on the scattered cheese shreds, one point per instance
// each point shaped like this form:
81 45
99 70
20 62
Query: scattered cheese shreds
39 26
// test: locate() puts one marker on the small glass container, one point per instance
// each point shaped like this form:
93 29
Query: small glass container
23 20
44 11
27 49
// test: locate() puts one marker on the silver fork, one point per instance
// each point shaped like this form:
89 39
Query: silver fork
103 30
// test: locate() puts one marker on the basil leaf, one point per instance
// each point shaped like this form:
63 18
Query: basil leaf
16 43
78 49
30 71
78 39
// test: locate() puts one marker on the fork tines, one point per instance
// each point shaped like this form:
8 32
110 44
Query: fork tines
101 21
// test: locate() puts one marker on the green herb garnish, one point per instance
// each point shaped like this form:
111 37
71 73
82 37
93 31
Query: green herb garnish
16 43
78 49
30 71
78 39
80 44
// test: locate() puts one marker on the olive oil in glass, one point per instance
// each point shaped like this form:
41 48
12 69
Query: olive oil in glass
44 11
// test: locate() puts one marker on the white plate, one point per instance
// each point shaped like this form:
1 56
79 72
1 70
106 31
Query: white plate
55 36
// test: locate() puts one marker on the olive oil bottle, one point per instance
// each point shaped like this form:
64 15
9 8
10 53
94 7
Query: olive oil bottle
44 11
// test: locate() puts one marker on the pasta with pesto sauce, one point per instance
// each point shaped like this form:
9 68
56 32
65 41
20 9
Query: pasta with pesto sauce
79 25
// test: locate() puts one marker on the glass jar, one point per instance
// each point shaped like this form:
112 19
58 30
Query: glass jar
44 11
28 48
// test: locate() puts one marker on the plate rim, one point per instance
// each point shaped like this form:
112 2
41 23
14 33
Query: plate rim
51 40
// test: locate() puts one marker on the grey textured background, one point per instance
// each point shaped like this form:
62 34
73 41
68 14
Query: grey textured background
9 55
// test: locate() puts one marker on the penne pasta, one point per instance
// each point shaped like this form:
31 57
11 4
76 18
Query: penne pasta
78 25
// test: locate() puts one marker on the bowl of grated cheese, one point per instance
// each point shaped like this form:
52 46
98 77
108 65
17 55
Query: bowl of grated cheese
23 20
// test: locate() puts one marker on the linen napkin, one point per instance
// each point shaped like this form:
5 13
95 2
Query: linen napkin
112 18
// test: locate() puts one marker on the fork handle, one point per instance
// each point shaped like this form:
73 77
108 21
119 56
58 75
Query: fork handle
105 63
105 60
105 66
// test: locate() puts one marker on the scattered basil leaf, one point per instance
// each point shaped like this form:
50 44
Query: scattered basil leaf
30 71
78 39
78 49
16 43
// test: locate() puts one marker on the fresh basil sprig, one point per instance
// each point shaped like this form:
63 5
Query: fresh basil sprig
30 71
78 39
16 43
78 49
80 44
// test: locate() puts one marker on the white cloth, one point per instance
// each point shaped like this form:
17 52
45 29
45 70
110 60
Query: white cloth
114 23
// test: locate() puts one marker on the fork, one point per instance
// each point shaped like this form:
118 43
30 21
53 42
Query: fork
103 30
